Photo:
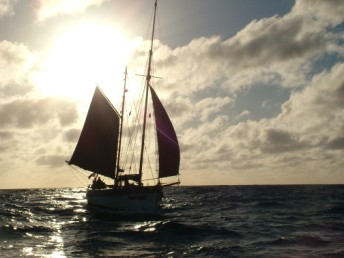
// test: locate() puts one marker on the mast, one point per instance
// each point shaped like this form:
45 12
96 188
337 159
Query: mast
148 77
118 169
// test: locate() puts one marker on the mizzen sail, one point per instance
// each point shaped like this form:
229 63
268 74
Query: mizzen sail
97 146
168 147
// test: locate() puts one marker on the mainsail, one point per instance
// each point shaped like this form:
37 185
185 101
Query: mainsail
168 147
97 146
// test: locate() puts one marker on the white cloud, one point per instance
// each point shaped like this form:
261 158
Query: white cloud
275 50
6 7
307 136
20 107
304 141
16 64
244 113
210 106
49 8
29 122
319 104
324 13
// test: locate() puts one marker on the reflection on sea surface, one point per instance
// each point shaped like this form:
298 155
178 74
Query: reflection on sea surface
236 221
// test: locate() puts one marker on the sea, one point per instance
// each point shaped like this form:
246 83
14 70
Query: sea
197 221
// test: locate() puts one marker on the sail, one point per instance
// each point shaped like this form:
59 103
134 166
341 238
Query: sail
168 147
97 146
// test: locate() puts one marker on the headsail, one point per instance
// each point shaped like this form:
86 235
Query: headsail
168 147
97 146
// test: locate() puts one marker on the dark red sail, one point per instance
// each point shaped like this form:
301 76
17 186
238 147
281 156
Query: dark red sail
97 146
168 147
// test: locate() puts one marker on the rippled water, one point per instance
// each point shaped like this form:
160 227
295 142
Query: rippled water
214 221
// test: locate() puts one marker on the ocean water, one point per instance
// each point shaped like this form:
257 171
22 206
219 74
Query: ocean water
207 221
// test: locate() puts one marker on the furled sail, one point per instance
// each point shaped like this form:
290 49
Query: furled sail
168 147
97 146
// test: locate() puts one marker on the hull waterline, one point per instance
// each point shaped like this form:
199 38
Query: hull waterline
126 201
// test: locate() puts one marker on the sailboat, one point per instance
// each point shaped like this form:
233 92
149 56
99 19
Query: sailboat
98 151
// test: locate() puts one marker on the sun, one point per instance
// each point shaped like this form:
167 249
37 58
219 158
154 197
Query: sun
84 55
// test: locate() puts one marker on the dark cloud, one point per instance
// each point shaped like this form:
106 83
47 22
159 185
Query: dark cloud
5 135
277 141
72 135
340 92
68 114
277 137
336 144
15 89
26 113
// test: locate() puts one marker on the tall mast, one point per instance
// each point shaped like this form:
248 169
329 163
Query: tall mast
148 77
121 127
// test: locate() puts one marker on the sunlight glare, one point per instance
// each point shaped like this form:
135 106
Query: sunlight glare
83 56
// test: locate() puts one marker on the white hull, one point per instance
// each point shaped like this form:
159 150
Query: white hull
122 201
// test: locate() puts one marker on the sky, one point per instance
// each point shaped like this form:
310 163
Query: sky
256 87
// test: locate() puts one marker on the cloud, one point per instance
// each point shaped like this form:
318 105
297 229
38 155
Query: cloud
276 141
29 121
6 7
27 113
322 12
7 139
16 65
300 137
72 135
53 161
307 135
301 141
244 113
275 50
5 135
336 144
319 104
210 106
281 51
20 106
206 137
50 8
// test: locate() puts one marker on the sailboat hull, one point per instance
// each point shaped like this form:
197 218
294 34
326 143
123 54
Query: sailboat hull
141 200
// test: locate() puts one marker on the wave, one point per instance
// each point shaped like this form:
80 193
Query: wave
11 231
336 209
262 221
302 240
193 231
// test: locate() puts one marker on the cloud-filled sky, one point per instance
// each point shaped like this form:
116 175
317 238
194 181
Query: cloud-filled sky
257 87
